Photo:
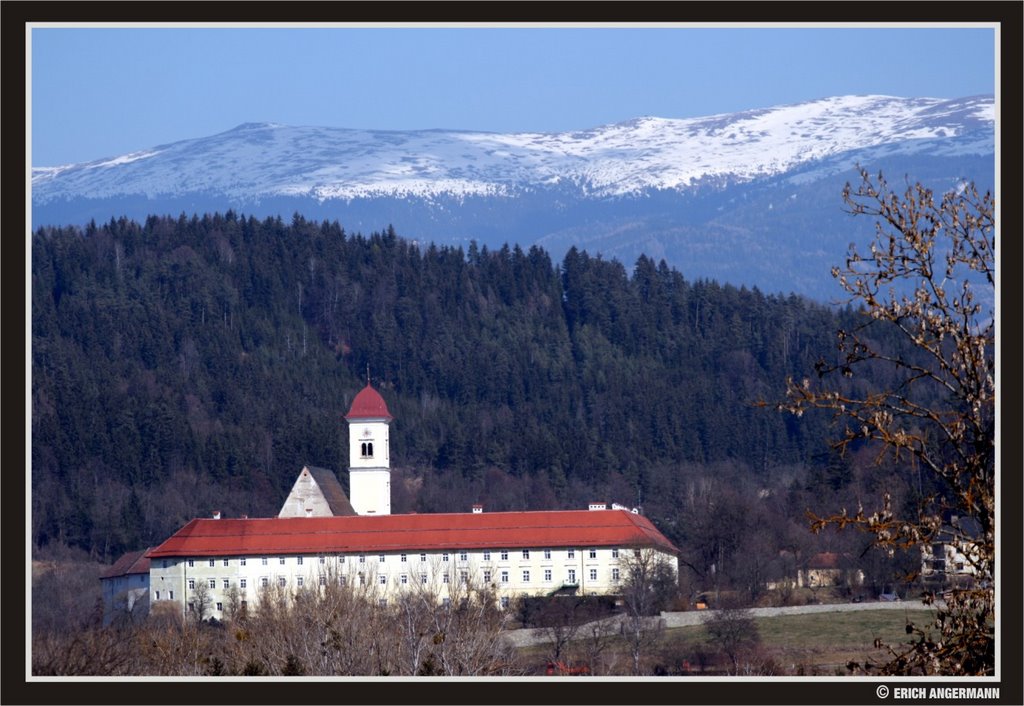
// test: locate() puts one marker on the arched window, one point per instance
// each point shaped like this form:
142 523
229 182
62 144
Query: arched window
369 450
363 452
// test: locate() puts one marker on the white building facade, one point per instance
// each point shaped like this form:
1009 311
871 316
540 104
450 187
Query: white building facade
433 561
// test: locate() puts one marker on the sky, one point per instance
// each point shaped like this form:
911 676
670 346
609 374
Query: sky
104 92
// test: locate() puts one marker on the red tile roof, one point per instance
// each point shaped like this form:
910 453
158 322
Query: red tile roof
368 404
131 563
824 560
431 532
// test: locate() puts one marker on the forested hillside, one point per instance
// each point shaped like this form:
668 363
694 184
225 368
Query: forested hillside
181 366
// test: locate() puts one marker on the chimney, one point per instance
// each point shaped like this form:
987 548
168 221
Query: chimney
216 514
478 509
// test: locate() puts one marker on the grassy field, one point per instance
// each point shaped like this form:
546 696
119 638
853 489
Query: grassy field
818 644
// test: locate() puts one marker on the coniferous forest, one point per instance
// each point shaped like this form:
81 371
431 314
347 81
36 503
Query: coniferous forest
191 364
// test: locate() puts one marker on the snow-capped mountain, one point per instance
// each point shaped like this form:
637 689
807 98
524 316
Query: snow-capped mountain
598 188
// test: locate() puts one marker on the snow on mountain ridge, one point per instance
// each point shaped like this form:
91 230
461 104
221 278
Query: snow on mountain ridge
258 160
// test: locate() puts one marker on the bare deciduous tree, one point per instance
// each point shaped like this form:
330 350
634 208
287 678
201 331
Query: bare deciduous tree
929 276
649 583
733 631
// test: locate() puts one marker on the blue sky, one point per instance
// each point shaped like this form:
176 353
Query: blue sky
104 92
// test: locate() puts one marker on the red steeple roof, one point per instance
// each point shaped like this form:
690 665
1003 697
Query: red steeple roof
368 404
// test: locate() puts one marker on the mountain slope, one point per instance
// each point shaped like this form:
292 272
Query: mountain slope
667 187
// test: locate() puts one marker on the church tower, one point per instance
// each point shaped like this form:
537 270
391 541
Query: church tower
369 465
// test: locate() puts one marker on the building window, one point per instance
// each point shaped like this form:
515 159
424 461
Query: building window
593 574
615 553
504 601
299 581
227 583
362 558
212 563
343 580
444 557
403 579
264 581
423 579
362 579
504 577
571 577
571 553
593 553
282 581
615 575
463 577
444 578
281 561
170 595
423 557
547 575
244 604
383 580
191 563
163 563
213 583
220 606
383 602
403 558
526 577
264 561
446 601
242 583
298 560
323 580
241 562
463 556
323 560
191 584
227 562
504 554
487 576
380 559
547 553
487 555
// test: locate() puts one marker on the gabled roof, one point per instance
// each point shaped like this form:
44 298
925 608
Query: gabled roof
130 563
828 560
430 532
331 488
368 404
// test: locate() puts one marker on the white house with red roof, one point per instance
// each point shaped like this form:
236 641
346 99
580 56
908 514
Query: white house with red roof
125 585
516 553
